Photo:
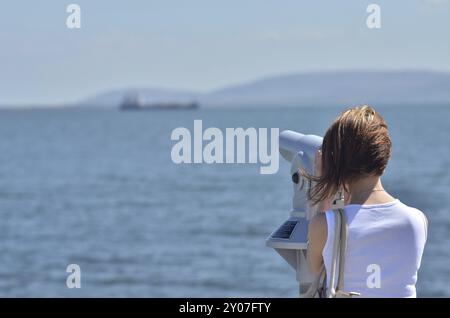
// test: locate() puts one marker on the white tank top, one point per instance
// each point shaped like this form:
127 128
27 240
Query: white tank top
384 248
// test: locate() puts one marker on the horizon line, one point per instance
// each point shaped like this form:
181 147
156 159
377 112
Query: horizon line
78 101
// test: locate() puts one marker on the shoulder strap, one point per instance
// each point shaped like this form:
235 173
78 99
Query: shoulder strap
335 253
343 239
342 249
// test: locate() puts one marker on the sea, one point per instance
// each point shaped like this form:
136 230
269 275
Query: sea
98 188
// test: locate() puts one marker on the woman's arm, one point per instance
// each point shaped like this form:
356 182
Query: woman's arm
317 231
317 237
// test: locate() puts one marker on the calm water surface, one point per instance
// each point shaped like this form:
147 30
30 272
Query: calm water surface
98 188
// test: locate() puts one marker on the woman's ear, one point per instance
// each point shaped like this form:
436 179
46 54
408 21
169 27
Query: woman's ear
346 194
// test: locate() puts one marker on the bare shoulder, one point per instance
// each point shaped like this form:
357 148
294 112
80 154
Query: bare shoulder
418 215
423 216
317 233
318 228
319 221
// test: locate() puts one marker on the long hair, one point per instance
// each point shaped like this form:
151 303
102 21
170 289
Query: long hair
356 145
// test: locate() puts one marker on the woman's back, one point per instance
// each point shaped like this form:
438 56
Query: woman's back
384 248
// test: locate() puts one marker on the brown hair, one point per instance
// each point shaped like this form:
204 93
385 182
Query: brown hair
355 146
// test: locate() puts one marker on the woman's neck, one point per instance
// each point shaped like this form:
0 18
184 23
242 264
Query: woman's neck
368 190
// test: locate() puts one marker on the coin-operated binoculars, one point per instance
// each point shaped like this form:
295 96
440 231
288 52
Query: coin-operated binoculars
290 239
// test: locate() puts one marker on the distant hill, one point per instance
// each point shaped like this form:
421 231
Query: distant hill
328 88
320 88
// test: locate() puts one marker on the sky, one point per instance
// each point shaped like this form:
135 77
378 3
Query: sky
202 45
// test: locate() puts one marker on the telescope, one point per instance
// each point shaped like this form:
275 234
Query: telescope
290 239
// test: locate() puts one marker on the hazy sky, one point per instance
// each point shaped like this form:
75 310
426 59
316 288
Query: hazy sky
205 44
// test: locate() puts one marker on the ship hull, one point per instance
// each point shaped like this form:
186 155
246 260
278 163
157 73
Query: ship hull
136 107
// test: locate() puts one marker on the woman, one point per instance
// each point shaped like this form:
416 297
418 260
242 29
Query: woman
386 238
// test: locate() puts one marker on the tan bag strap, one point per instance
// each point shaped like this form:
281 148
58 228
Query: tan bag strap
342 249
343 239
338 259
335 254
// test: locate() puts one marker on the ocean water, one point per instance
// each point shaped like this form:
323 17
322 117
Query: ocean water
98 188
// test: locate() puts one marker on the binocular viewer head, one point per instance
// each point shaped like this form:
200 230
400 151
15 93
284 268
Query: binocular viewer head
290 239
300 150
293 144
